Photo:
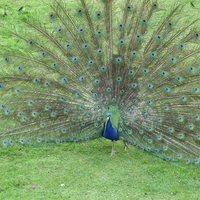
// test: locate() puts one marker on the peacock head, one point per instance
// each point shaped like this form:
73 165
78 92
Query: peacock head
108 115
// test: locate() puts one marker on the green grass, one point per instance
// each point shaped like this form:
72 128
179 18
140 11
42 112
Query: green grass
85 170
88 172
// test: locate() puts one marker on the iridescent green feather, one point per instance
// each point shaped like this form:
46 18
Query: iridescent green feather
133 59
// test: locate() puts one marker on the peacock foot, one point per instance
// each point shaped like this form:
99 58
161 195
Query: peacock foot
112 153
126 146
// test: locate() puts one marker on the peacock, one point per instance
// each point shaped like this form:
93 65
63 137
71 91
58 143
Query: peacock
123 70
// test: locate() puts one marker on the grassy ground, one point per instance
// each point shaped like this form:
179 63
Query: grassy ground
86 171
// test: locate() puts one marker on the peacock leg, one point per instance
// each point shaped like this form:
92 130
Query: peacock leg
126 146
112 151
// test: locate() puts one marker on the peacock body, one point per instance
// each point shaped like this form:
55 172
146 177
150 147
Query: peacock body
124 70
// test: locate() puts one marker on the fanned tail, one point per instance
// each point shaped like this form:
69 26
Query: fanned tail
105 56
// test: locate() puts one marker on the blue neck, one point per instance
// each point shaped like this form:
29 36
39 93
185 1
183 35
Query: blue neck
110 132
